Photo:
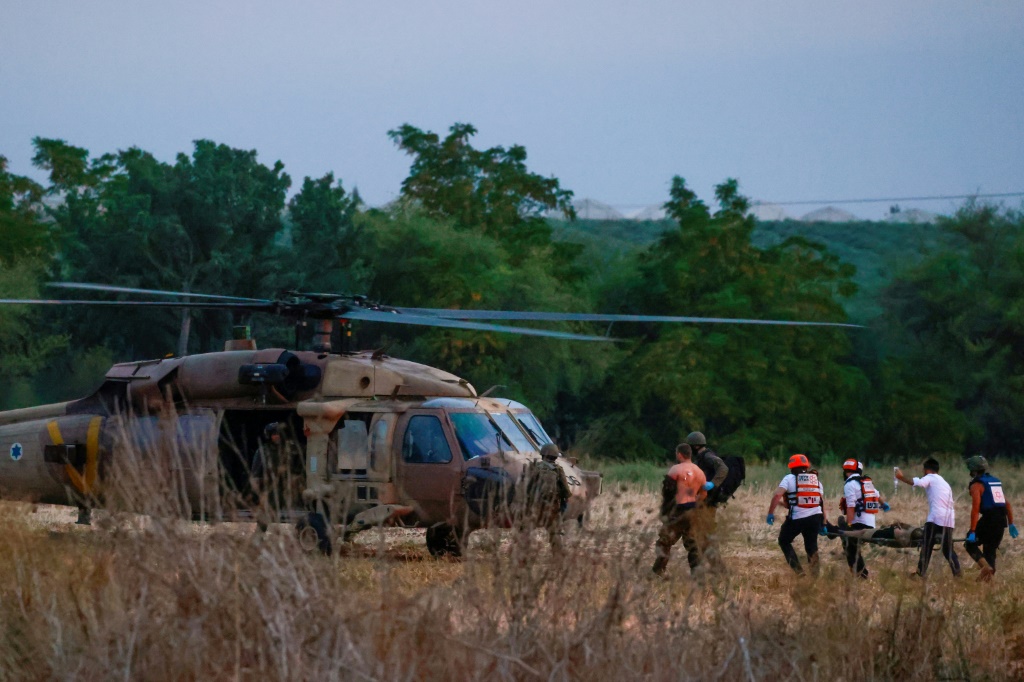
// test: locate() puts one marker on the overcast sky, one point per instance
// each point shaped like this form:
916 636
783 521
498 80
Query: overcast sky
798 100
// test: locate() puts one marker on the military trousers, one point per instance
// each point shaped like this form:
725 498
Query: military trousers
681 523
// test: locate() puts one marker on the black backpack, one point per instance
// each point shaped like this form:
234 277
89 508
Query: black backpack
737 474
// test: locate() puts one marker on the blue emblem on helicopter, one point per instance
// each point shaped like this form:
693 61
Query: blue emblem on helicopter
16 451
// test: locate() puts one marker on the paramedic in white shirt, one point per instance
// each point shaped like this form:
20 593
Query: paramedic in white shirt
801 493
858 506
941 519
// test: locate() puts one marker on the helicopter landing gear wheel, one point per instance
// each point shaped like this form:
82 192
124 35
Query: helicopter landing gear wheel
313 533
444 541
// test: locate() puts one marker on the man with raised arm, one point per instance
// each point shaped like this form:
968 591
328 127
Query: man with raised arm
941 517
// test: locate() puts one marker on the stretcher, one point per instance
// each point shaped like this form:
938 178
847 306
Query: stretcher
898 535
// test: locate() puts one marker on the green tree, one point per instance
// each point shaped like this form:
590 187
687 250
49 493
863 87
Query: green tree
324 238
753 389
486 190
957 325
208 223
25 248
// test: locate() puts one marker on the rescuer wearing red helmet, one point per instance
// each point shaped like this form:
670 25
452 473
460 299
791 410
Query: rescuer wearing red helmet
801 492
860 502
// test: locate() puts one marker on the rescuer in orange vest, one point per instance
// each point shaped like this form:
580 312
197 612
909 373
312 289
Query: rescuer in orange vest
801 492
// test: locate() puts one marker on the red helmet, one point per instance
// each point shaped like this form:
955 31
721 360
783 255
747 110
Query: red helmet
853 465
799 461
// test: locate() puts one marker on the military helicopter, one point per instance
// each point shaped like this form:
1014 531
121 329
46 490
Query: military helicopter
362 438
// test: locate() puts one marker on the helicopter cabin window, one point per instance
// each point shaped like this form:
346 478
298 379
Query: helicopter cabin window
424 441
353 447
477 434
379 440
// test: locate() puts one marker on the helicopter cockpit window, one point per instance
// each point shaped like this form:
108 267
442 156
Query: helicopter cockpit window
477 434
424 441
533 427
513 432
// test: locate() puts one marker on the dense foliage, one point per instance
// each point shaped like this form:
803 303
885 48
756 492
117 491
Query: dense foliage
939 367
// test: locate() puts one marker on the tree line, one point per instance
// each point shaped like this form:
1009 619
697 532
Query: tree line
937 369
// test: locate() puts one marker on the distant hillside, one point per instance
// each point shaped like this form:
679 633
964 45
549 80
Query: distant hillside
876 249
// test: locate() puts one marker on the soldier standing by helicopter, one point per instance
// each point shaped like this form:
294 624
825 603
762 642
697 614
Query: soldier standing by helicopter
715 472
547 491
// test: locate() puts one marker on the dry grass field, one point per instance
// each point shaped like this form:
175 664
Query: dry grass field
139 598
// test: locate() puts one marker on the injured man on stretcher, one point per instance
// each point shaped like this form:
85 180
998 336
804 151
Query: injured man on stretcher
896 535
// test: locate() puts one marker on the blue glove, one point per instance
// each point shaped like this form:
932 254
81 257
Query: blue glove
770 519
1013 531
971 537
886 507
823 531
709 485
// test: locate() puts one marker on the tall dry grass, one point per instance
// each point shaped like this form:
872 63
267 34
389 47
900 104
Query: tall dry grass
160 598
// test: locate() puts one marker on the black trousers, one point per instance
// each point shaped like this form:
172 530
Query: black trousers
854 558
989 532
933 534
808 527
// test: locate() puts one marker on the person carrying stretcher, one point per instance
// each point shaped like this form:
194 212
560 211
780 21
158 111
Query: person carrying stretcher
858 507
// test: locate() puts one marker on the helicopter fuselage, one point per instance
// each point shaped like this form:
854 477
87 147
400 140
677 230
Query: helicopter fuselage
356 434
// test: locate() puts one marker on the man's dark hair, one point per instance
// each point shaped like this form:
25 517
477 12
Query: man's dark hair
684 449
931 464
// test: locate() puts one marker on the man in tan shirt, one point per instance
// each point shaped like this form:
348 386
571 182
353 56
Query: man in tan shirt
679 513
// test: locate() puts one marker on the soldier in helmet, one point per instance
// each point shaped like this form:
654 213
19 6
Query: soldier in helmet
715 471
547 491
990 514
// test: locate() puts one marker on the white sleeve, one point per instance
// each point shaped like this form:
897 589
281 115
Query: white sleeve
922 482
850 492
784 483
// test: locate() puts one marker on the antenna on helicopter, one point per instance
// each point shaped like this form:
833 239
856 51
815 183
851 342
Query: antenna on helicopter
493 388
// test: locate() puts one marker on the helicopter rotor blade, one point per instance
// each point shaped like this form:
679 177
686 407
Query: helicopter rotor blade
151 292
256 307
598 317
437 321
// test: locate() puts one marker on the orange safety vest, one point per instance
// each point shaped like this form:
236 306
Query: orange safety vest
872 500
808 492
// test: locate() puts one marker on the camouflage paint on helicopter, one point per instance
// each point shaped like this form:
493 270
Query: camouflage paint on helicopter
380 439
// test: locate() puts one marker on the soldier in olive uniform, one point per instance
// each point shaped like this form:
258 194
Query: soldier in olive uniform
715 471
547 491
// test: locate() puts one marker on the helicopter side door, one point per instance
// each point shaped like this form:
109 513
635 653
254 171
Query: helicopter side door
429 472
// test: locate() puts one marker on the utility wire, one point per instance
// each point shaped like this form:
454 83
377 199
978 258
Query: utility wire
884 200
808 202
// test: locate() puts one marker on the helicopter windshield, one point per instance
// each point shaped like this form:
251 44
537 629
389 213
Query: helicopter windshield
477 435
512 432
533 427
